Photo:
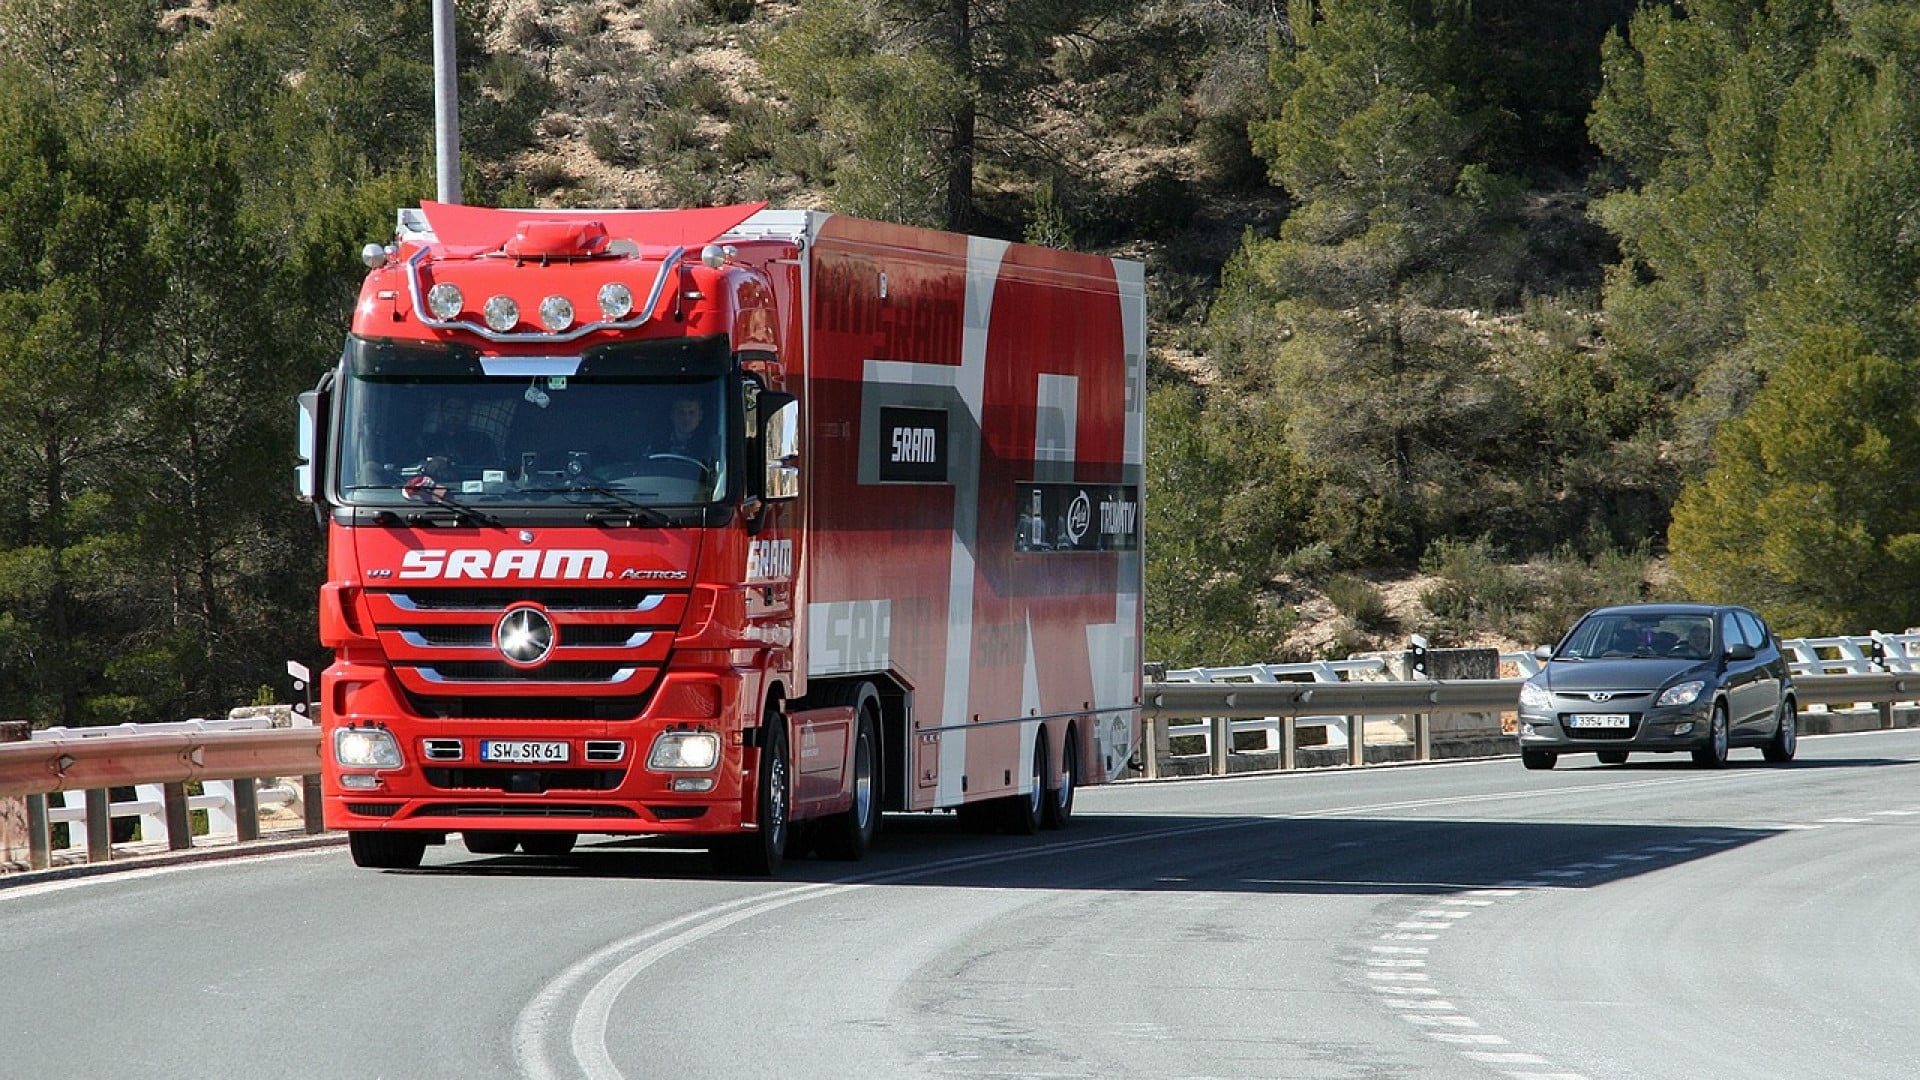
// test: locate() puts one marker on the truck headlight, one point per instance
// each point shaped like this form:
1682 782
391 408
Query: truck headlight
1534 696
365 748
1681 693
684 751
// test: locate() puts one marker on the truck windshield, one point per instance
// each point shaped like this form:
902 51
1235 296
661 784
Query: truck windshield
642 423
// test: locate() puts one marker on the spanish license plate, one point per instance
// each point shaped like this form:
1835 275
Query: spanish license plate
522 751
1600 720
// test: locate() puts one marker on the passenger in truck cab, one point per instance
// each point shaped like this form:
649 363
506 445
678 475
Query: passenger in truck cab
687 432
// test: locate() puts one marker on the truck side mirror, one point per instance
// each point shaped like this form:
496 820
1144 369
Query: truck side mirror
312 420
780 445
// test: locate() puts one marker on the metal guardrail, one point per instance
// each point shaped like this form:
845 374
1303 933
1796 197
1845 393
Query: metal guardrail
168 755
1283 705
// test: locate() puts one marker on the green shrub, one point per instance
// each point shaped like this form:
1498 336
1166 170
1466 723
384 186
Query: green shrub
1359 601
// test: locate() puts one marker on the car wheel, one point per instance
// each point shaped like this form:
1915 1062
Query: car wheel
1613 757
1714 754
1538 759
1786 735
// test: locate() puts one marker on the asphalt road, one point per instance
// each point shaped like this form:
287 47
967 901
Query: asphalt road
1468 920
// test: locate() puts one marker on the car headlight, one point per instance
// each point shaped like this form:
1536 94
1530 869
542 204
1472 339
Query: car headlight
684 751
1681 693
365 748
1534 696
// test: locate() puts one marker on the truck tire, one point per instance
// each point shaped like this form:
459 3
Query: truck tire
848 835
386 850
1059 809
1021 813
760 853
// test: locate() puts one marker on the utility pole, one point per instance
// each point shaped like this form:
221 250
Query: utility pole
446 105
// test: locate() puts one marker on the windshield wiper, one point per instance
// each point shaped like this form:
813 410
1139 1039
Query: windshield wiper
431 492
636 512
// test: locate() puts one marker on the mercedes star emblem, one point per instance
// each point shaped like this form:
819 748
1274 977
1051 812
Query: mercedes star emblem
525 636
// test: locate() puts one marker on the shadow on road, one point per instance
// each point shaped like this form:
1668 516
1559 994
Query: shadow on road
1303 855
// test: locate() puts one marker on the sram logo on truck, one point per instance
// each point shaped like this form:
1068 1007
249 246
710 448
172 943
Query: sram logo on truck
913 445
769 560
556 564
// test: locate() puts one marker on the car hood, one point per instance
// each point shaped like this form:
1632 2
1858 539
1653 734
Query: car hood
1624 674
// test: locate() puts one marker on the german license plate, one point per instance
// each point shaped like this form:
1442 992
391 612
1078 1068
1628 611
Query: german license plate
522 751
1600 720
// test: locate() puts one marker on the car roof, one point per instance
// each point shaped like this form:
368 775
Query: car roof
1665 609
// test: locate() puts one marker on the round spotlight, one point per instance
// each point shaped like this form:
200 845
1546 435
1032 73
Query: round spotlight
556 313
502 314
616 301
714 256
445 301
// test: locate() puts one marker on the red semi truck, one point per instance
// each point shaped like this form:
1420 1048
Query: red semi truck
733 525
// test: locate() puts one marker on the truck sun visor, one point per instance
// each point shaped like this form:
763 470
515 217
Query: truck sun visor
489 228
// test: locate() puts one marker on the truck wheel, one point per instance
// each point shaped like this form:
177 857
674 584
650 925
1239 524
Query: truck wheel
1059 808
386 850
548 845
1021 813
759 853
848 835
490 843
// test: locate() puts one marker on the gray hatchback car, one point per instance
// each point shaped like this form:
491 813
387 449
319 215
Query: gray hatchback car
1660 678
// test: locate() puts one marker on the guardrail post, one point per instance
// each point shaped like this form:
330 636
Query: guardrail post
99 804
1885 708
179 817
1356 741
316 821
1289 740
1423 736
39 834
1222 740
246 809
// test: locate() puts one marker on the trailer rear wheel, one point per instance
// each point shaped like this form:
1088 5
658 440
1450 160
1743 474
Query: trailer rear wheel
1059 810
760 853
386 850
849 834
1022 813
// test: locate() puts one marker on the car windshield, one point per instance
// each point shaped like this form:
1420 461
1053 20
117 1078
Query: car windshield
643 425
1686 636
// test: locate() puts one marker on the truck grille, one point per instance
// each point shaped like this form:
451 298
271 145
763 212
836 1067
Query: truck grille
543 707
549 779
531 809
608 644
496 600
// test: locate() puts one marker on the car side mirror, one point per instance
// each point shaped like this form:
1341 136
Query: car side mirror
1543 652
1742 651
